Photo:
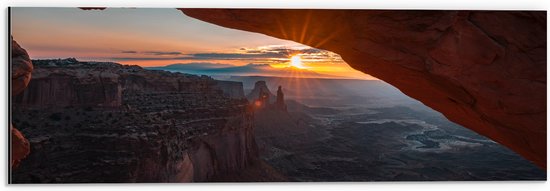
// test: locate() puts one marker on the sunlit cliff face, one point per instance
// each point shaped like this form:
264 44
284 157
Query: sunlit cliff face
159 37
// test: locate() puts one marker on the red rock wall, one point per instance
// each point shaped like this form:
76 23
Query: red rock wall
82 85
21 69
231 89
66 90
485 70
230 150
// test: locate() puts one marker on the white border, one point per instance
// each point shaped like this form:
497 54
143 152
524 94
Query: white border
334 4
328 4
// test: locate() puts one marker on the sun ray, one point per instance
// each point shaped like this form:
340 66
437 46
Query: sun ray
282 29
305 26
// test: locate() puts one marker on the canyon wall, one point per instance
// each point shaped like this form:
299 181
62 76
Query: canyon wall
259 88
69 82
485 70
69 153
231 89
137 126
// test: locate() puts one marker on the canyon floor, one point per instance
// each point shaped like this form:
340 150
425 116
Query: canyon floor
347 139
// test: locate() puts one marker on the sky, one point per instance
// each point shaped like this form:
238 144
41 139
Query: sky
158 37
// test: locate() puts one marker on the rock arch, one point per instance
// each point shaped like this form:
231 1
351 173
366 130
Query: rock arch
485 70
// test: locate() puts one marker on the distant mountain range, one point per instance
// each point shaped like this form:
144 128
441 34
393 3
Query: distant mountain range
214 69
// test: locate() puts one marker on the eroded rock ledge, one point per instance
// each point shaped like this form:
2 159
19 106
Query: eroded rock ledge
485 70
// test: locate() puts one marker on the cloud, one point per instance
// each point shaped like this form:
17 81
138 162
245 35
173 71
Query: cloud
211 56
254 51
286 51
262 54
147 58
312 51
156 53
162 53
232 56
196 66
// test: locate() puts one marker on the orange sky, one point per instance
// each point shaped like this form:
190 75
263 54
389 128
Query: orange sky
157 37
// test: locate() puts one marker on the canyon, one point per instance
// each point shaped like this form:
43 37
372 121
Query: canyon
485 70
75 121
367 132
106 122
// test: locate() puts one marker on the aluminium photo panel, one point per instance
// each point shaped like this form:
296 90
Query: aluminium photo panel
173 95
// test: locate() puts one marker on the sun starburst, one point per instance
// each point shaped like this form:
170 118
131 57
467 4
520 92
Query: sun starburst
296 61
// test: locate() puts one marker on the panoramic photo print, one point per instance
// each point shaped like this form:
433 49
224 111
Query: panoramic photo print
162 95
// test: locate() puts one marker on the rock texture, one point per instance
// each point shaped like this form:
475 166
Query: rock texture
21 68
76 86
138 126
20 147
231 89
280 102
68 82
485 70
259 88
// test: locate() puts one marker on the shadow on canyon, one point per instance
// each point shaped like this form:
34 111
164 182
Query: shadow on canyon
361 130
105 122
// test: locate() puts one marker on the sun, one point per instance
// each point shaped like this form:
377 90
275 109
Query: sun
296 61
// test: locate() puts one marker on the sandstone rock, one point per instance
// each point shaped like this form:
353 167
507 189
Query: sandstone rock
21 68
20 147
69 88
225 151
259 87
231 89
166 127
68 82
280 102
485 70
